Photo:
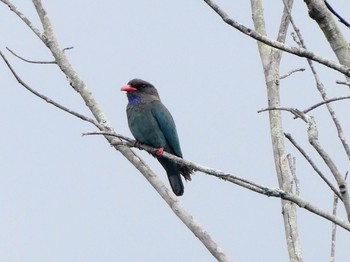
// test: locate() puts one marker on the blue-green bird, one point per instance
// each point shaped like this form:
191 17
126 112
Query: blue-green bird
151 124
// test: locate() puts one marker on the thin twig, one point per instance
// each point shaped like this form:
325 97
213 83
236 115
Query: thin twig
45 98
292 72
312 164
67 48
295 180
297 113
342 83
325 102
129 140
30 61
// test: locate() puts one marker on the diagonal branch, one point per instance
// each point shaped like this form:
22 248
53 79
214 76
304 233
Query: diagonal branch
302 52
23 18
263 190
308 159
292 72
326 101
47 99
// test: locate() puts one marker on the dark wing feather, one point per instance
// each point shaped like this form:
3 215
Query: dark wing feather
167 126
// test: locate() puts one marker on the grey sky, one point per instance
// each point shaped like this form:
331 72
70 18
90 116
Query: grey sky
65 197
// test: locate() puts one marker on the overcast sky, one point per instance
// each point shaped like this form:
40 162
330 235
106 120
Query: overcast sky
64 197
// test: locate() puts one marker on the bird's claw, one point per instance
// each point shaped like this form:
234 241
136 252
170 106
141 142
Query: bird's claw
159 151
137 143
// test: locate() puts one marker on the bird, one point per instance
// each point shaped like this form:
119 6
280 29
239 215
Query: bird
151 123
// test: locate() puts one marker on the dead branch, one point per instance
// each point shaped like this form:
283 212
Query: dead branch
325 102
45 98
292 72
30 61
302 52
312 164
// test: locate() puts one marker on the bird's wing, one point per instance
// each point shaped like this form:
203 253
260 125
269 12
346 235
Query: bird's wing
167 126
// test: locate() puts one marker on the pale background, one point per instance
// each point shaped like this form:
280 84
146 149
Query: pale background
64 197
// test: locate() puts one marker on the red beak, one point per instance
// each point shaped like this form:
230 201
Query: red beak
128 88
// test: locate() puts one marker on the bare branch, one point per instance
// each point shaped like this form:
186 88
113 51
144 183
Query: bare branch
67 48
302 52
30 61
343 83
292 166
312 131
45 98
292 72
129 141
296 112
325 102
23 17
334 228
319 12
263 190
313 140
313 165
270 60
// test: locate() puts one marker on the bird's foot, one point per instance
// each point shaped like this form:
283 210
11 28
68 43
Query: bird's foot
137 144
159 151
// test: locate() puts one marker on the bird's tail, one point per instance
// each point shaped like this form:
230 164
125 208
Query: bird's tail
173 171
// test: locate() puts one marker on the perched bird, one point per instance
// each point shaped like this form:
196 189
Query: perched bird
151 124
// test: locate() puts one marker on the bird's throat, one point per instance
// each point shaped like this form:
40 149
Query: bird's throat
133 99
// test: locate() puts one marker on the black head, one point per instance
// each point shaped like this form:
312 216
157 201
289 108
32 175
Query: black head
140 86
139 83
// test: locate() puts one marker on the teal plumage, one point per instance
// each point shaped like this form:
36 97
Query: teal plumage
151 124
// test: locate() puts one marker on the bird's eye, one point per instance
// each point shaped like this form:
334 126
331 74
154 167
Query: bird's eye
143 85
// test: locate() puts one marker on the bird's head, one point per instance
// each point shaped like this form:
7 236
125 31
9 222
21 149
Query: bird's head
138 89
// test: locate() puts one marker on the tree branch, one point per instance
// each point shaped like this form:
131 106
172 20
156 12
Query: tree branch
313 165
270 60
263 190
339 44
23 18
292 72
302 52
326 101
47 99
30 61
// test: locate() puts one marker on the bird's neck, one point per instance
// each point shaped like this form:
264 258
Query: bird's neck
133 99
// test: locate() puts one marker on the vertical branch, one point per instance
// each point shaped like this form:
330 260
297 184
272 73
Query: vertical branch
270 60
334 228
